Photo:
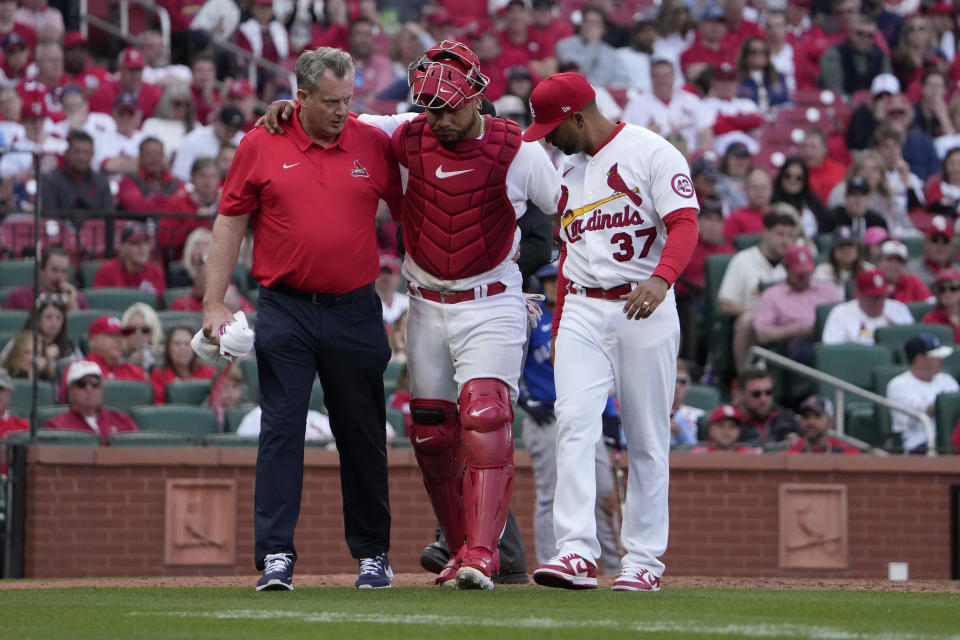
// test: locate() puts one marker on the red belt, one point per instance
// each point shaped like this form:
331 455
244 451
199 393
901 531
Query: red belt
484 291
597 292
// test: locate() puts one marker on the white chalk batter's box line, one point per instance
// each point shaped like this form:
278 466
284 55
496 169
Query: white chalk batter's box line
748 630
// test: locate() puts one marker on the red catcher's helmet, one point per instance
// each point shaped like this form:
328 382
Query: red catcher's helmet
446 76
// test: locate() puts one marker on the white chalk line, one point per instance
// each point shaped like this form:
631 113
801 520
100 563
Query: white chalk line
691 628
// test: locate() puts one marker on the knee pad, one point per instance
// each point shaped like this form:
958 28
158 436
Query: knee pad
434 434
487 418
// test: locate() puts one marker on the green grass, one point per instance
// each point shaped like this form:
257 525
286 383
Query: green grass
419 613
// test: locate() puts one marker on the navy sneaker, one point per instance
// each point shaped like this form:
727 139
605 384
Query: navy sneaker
277 573
375 573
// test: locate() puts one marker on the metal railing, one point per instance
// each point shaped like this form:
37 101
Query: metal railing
840 387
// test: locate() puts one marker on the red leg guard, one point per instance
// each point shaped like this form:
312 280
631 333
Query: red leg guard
435 435
486 414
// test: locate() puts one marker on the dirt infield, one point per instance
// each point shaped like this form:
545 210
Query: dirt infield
423 580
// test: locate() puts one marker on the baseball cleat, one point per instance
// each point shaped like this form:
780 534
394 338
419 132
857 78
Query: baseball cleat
375 573
448 575
567 572
434 557
636 580
472 578
277 573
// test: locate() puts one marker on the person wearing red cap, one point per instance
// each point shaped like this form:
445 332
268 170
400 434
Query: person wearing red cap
262 35
129 80
80 67
83 384
938 251
106 350
318 313
132 267
946 288
723 433
618 266
786 311
856 320
242 95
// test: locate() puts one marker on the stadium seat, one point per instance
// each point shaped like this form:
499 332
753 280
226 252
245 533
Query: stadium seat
703 397
392 372
16 273
861 423
947 412
17 237
914 246
249 368
192 392
6 291
396 419
230 440
117 299
746 240
59 437
192 319
172 294
149 439
822 311
389 386
46 412
124 395
235 416
243 278
23 395
88 270
518 416
951 364
824 243
920 309
253 295
882 375
851 363
12 319
716 324
316 397
196 422
896 336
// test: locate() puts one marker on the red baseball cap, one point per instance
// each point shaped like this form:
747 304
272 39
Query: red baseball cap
241 89
390 263
109 325
939 225
74 39
872 282
947 275
132 58
798 260
725 71
726 412
556 98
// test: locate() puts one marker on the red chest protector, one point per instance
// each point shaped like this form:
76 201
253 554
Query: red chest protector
457 219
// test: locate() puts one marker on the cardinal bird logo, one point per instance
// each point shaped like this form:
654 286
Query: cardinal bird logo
562 202
358 171
615 182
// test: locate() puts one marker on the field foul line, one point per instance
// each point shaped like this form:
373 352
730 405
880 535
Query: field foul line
750 630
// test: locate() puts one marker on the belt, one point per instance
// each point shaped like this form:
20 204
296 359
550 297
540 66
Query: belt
321 299
598 292
483 291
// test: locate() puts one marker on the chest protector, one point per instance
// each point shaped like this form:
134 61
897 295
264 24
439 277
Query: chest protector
457 219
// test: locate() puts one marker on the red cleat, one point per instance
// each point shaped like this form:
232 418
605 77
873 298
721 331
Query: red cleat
567 572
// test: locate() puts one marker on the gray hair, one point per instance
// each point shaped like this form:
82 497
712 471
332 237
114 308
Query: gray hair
312 64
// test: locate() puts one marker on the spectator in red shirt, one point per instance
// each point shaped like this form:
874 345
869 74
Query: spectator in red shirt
16 55
179 363
50 77
106 350
9 24
816 421
80 67
152 187
54 279
546 29
904 287
823 173
738 28
234 300
723 433
9 423
84 391
749 219
132 268
947 289
130 80
202 200
763 420
206 98
708 49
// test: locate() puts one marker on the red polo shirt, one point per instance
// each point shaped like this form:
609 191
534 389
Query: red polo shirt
313 209
743 220
939 315
910 288
122 371
108 422
150 278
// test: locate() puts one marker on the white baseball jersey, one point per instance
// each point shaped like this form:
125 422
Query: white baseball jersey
684 114
612 205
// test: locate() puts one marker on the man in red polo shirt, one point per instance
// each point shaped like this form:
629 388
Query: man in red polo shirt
84 391
106 349
816 421
708 49
311 197
132 267
129 80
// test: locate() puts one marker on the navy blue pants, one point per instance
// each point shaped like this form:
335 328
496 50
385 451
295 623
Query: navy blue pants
344 342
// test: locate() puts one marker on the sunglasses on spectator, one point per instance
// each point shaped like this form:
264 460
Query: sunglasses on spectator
939 239
92 382
951 288
757 393
143 330
683 381
754 52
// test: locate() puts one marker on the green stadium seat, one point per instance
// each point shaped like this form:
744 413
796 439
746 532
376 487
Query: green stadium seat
192 319
920 309
78 322
861 423
518 416
22 398
882 375
396 419
49 411
172 294
824 244
914 246
88 271
714 268
149 439
746 240
59 437
249 368
393 370
715 324
12 319
230 440
947 412
243 278
196 422
389 386
820 319
253 295
192 392
703 397
124 395
16 273
896 336
851 363
117 299
316 397
6 291
236 415
951 364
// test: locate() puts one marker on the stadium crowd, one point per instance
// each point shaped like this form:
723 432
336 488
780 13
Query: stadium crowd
823 138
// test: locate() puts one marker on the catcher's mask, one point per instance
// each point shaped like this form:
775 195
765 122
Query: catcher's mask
446 76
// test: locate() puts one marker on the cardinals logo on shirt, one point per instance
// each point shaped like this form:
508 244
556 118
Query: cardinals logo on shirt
358 171
614 181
